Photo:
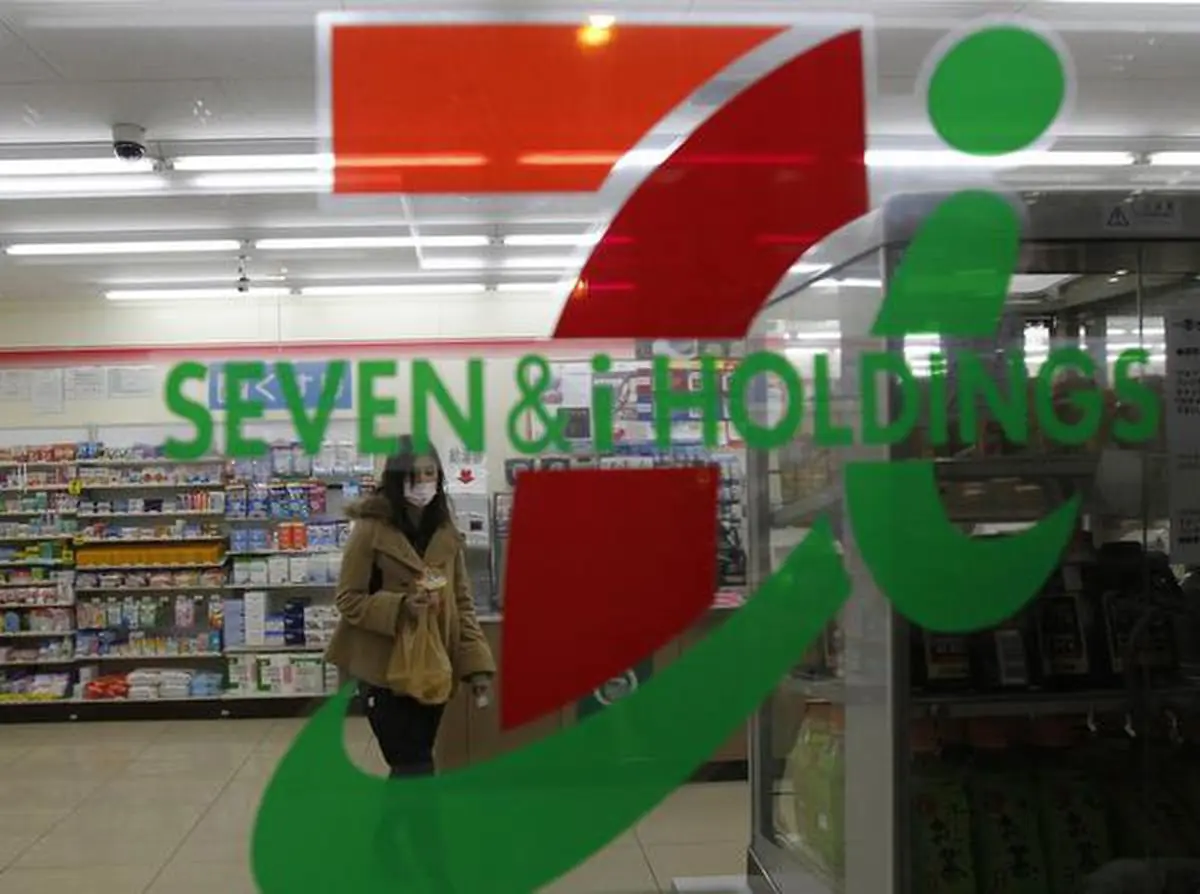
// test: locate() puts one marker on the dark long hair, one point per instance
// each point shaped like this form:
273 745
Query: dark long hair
396 474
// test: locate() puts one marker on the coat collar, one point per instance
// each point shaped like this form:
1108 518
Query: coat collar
440 553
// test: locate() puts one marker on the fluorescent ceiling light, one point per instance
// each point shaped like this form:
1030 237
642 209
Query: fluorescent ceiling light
945 158
548 262
122 248
265 181
551 240
510 287
318 243
193 294
32 167
80 186
1177 159
324 162
1032 283
219 163
453 263
442 288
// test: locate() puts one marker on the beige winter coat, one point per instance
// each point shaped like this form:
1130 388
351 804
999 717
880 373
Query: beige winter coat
363 643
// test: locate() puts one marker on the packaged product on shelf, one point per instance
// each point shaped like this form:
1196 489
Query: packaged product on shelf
234 614
940 661
258 571
258 500
308 675
277 570
818 785
26 686
111 686
297 569
243 674
1071 811
273 631
255 617
241 571
205 684
317 500
942 858
1118 579
1066 631
1004 814
236 501
48 594
1005 656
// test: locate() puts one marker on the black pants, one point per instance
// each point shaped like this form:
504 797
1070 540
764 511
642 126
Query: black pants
404 728
406 731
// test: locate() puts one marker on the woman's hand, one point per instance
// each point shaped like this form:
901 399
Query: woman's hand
420 600
481 689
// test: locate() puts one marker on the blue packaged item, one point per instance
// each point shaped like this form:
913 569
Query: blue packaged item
258 499
297 501
239 540
235 502
234 611
277 501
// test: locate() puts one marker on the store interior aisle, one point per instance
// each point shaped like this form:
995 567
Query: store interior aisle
158 807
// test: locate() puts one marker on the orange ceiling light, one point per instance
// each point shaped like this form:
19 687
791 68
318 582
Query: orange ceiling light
598 31
505 93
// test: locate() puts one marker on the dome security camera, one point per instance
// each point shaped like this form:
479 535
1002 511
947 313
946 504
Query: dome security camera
129 142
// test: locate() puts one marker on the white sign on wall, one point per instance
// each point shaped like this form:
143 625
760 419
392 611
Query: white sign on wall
1183 433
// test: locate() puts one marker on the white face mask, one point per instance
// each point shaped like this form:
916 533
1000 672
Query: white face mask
421 494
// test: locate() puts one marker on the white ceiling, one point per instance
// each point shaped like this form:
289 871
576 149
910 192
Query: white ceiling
219 76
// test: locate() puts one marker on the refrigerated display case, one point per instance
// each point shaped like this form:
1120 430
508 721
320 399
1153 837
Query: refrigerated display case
1027 757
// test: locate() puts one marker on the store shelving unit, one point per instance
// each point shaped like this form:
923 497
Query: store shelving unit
55 491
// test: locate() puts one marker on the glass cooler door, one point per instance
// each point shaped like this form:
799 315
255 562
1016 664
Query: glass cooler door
822 754
1061 747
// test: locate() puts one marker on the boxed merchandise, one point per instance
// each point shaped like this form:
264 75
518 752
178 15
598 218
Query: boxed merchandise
258 572
243 674
241 571
309 675
333 677
277 570
273 631
297 568
234 611
255 616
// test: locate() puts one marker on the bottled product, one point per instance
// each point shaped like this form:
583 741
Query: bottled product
1126 581
1066 631
1005 657
1070 809
942 858
1004 816
940 661
1145 819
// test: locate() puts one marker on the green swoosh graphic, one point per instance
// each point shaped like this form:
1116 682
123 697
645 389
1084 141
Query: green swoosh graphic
537 812
955 273
933 573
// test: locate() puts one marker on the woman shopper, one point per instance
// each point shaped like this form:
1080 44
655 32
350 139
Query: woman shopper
405 565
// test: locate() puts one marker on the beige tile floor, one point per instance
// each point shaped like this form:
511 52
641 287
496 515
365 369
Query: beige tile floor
166 808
